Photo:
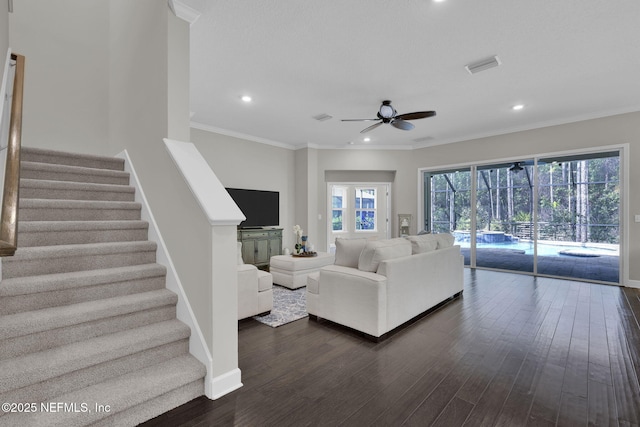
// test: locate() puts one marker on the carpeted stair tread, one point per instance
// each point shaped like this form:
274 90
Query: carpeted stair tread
130 397
22 371
76 279
50 171
65 251
21 324
50 189
40 260
49 233
71 159
77 210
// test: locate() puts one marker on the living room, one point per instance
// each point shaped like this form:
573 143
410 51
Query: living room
122 77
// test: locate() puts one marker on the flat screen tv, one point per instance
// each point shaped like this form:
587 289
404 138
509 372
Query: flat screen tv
262 208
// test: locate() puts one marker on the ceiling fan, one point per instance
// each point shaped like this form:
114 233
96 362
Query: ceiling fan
388 114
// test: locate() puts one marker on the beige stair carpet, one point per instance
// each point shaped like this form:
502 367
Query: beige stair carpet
88 330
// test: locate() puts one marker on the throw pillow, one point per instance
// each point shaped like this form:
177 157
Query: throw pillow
376 251
348 251
423 243
445 240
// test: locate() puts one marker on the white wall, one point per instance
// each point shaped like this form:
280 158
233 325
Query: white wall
65 44
239 163
4 30
178 75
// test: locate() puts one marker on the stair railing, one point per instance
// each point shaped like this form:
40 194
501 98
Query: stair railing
10 189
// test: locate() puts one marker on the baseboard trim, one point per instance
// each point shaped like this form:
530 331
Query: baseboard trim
225 383
197 344
633 283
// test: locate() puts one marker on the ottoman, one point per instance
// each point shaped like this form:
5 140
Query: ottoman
291 272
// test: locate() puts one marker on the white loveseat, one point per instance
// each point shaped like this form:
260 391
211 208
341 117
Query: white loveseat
376 286
255 289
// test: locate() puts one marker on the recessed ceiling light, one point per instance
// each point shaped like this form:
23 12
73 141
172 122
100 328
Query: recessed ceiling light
367 139
517 107
246 98
438 1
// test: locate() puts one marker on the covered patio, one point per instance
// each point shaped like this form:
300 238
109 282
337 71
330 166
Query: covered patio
601 268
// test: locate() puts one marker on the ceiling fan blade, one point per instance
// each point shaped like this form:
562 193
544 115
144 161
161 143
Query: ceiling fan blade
416 115
372 127
401 124
359 120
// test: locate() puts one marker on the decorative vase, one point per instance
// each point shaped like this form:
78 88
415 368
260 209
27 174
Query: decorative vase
303 248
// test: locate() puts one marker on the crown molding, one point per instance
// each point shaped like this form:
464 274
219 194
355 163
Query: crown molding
532 126
183 11
239 135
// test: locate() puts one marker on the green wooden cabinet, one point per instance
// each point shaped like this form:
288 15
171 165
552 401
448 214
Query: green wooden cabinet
259 245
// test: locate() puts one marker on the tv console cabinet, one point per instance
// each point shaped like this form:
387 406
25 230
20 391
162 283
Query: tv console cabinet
259 245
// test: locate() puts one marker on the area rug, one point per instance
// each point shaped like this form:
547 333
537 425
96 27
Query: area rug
288 305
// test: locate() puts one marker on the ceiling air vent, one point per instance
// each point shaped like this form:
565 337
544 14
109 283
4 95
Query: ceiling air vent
322 117
485 64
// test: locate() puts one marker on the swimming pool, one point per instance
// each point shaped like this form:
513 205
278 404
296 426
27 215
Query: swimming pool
550 248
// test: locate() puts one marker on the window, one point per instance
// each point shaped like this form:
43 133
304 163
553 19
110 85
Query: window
338 206
365 209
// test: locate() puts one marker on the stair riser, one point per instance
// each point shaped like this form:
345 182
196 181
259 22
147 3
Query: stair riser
110 163
53 238
32 343
38 301
153 408
72 214
95 178
34 267
75 380
47 193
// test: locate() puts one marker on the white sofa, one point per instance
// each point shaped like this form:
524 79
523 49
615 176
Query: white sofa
255 289
376 286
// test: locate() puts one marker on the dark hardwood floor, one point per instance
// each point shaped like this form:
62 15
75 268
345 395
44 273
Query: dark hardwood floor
514 350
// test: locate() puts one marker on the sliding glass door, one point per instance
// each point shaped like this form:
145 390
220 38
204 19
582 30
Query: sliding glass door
504 216
555 216
579 216
448 205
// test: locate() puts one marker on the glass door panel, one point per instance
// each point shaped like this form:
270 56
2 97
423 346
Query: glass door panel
578 217
448 206
504 216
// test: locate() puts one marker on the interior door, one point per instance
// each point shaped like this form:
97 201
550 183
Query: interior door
358 210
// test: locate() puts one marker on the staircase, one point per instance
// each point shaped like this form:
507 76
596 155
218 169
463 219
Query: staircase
86 323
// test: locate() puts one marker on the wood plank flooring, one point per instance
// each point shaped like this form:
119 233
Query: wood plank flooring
514 350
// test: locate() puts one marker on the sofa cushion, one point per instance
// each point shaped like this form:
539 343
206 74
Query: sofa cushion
423 243
445 240
381 250
348 251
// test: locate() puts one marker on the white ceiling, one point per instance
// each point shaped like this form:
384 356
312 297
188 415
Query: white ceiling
565 60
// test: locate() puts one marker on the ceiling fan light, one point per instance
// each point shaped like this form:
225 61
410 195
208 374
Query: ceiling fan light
386 111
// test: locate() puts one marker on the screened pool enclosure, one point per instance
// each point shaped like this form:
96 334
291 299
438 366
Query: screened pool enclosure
556 216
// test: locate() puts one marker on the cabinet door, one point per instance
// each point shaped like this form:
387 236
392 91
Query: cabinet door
275 245
261 254
248 251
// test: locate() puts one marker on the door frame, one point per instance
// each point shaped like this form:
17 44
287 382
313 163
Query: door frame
329 215
623 150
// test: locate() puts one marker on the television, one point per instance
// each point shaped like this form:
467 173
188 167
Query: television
262 208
